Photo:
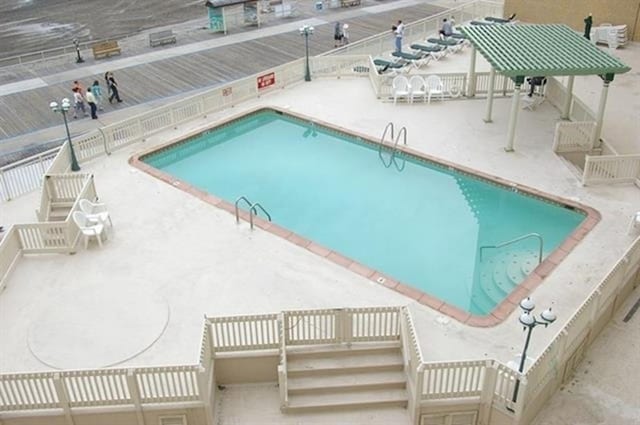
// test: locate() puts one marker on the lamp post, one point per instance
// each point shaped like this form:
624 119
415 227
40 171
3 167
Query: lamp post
63 108
306 31
77 44
529 322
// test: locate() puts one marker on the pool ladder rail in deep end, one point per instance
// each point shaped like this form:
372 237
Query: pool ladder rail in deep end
253 210
394 149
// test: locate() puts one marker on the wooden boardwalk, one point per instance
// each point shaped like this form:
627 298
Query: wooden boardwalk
28 111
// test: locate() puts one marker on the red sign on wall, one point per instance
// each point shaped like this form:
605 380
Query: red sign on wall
266 80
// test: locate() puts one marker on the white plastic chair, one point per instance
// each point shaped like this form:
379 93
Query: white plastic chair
634 223
418 88
434 87
88 228
401 87
95 212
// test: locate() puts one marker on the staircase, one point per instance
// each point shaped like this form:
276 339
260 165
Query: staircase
58 211
500 274
360 375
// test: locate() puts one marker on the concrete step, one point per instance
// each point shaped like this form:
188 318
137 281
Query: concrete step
323 350
344 362
347 381
348 399
59 211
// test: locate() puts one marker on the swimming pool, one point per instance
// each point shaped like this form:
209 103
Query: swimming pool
425 224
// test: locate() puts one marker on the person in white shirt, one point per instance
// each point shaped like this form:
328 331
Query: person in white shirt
399 31
78 103
91 100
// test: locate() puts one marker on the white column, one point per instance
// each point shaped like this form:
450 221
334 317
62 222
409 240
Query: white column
566 110
492 81
513 118
471 76
600 115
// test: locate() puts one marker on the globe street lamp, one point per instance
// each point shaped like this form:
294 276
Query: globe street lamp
529 322
306 31
63 108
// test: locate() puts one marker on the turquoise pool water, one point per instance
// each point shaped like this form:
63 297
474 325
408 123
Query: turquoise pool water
416 221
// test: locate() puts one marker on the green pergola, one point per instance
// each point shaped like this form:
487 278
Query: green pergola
520 51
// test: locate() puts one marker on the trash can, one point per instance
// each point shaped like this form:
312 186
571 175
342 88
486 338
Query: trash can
319 5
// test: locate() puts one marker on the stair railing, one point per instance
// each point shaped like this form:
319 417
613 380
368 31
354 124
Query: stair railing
282 366
518 239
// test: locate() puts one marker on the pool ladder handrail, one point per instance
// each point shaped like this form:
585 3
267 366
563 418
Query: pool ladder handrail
402 133
253 210
518 239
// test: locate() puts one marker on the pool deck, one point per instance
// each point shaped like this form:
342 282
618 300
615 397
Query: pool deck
171 258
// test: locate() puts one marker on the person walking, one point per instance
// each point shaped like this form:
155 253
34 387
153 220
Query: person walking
91 100
399 32
97 93
337 34
345 34
113 87
78 103
78 85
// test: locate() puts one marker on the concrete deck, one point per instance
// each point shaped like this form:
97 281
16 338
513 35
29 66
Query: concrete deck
186 253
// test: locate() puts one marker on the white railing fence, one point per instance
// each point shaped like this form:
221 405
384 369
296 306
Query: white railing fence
419 30
556 93
611 169
24 176
574 136
555 365
243 333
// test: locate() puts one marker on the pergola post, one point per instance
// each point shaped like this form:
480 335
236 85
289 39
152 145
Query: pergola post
566 109
492 81
471 76
600 114
513 117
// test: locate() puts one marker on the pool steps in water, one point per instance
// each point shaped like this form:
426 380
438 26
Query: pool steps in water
501 273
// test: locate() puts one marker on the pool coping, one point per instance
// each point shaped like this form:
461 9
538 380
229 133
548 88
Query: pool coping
500 312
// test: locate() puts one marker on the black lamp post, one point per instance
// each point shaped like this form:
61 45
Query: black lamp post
529 322
63 108
77 44
306 31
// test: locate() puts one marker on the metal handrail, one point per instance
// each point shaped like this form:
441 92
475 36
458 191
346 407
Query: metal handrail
396 140
254 211
528 235
242 198
403 133
384 133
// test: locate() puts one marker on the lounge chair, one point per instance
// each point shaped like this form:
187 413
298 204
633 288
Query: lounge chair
453 44
384 65
508 20
482 23
435 51
407 56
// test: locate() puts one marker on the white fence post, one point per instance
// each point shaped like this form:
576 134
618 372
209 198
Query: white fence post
204 389
63 397
132 384
488 389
